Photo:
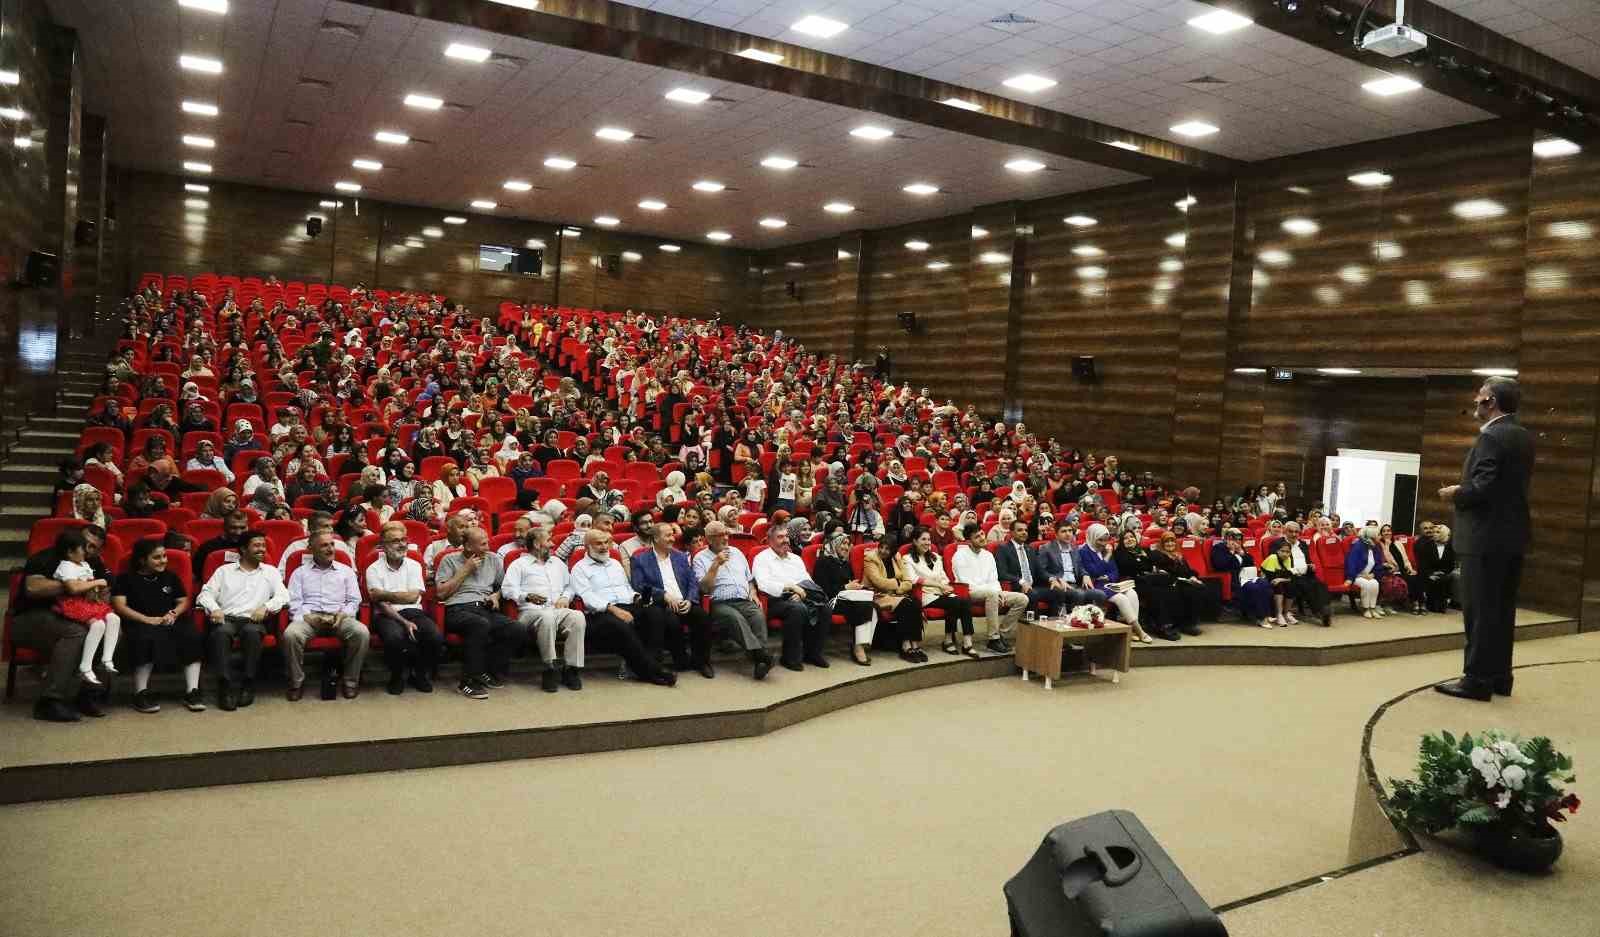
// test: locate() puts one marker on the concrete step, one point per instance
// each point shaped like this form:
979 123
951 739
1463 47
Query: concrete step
14 542
15 472
13 516
34 494
54 424
40 450
36 435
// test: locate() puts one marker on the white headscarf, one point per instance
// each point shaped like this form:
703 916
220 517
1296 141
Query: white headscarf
1094 534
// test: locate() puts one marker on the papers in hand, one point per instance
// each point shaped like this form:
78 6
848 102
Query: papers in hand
1247 574
854 595
1122 586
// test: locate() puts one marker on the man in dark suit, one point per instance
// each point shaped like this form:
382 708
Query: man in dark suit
1059 559
668 605
1019 569
1491 534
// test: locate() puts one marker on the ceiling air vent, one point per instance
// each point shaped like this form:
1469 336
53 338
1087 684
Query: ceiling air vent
346 30
1012 23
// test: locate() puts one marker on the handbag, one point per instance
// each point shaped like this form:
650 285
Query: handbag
1392 588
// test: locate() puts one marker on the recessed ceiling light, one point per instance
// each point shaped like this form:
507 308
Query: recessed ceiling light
416 242
22 143
671 248
653 204
327 203
1274 257
1301 227
483 204
1177 240
190 166
454 219
614 133
1338 371
1371 178
1249 370
347 186
199 142
706 185
962 103
938 264
1220 21
196 203
774 223
1185 203
819 26
718 236
433 232
1495 372
1124 145
196 187
519 4
872 132
1029 83
370 165
779 162
196 107
1195 128
994 257
1092 273
795 264
607 221
1088 250
1554 146
571 232
839 208
979 232
460 50
921 188
1298 190
1387 250
1170 265
1354 273
1080 221
199 63
9 77
1391 85
632 255
559 162
208 6
771 58
1475 209
688 96
13 113
844 255
391 136
536 243
1570 230
1024 165
916 245
516 185
424 101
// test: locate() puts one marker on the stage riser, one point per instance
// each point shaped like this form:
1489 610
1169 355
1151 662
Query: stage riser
1177 655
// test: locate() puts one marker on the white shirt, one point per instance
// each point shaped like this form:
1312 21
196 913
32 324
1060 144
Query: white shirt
255 481
437 547
381 577
600 584
216 464
233 591
669 579
755 490
527 576
975 568
932 571
68 571
787 485
774 574
339 546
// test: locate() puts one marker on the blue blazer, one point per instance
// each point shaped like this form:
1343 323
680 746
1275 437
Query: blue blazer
1098 569
1051 556
1356 560
646 575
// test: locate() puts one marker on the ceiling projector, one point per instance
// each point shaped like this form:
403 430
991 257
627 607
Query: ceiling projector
1394 40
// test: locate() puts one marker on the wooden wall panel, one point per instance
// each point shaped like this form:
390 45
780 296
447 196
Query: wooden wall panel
1203 303
89 277
1560 376
1309 419
807 291
1448 431
1423 272
994 301
1242 410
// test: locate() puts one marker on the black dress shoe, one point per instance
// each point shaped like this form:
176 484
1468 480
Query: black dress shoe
550 680
817 660
294 693
705 671
571 679
1466 689
247 694
793 665
420 682
397 683
53 710
1327 618
89 706
1502 687
1167 634
665 678
1191 630
763 666
226 701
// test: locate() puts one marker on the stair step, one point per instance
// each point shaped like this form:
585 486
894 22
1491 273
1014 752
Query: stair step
54 424
38 450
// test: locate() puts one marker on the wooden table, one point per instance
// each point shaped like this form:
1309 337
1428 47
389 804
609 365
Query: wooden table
1040 643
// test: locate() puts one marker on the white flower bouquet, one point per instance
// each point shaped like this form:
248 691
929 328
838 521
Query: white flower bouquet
1087 616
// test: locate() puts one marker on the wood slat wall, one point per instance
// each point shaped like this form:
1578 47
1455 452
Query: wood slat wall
1203 301
821 313
1448 431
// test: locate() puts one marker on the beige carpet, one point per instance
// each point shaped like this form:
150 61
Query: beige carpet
899 817
1348 628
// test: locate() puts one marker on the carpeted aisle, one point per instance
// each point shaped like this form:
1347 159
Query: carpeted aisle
898 817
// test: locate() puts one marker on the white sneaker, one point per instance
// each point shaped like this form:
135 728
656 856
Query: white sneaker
1281 622
1379 613
1265 623
1290 620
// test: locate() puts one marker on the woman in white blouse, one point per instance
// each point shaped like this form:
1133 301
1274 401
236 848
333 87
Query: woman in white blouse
926 567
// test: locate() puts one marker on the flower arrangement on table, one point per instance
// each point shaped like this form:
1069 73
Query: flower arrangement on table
1087 616
1497 785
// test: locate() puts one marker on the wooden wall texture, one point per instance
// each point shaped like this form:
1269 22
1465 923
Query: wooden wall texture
249 230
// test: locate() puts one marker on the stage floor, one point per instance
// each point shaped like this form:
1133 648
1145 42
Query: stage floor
901 817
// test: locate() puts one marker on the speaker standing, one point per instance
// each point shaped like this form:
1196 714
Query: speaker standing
1491 535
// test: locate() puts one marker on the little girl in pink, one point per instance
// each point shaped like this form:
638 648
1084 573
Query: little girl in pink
84 600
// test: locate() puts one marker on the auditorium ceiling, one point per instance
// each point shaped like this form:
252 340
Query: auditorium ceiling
306 84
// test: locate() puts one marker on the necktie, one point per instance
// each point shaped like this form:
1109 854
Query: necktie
1022 563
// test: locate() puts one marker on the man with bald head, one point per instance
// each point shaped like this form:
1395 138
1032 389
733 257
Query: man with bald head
611 607
468 583
724 574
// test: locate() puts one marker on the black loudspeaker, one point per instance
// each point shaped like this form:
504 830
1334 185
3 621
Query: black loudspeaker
612 264
41 269
1105 874
87 232
908 321
1083 368
791 288
313 226
529 262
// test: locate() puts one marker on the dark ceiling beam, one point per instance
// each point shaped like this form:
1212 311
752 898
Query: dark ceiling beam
639 35
1464 60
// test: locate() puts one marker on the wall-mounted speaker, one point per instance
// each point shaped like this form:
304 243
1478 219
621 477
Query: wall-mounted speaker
87 232
792 289
42 268
613 264
313 226
908 321
1083 368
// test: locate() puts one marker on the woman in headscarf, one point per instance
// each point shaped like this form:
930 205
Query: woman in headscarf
509 452
1095 558
1002 526
265 475
220 504
1153 585
421 507
849 596
896 475
401 483
86 505
673 493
